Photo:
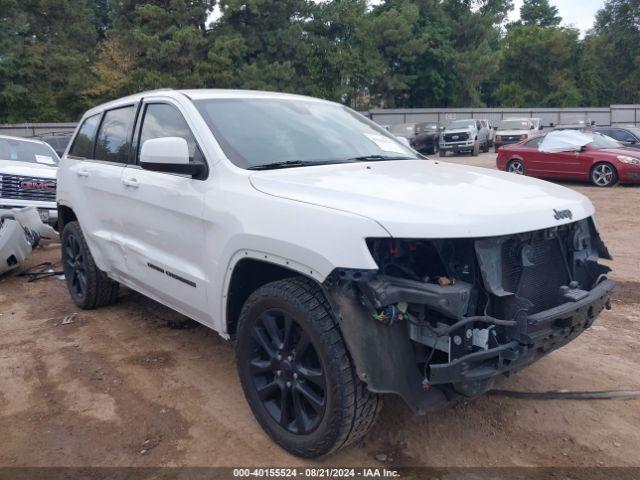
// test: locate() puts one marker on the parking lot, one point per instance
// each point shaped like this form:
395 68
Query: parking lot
135 384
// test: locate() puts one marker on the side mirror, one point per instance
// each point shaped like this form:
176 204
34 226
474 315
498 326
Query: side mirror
541 127
552 125
532 127
593 122
168 154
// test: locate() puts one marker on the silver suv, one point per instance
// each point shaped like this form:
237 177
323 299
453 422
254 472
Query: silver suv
465 136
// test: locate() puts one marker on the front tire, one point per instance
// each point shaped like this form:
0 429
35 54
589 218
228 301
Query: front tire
603 175
476 149
296 372
88 286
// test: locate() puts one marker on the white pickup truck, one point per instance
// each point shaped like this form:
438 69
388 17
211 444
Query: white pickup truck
343 263
28 170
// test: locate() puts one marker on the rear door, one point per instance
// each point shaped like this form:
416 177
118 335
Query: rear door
165 234
97 159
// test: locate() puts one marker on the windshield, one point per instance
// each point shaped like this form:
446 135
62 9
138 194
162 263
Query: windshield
514 125
257 132
602 141
25 151
635 131
403 129
461 124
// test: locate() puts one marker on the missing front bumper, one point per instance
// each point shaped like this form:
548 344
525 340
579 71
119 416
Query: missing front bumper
546 331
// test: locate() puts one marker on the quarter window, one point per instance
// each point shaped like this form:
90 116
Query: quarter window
113 137
162 120
86 137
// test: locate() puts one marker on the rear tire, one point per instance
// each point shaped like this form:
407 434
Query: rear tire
486 147
296 373
443 153
88 286
603 175
516 166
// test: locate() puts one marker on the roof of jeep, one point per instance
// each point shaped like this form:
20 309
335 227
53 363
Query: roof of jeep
200 94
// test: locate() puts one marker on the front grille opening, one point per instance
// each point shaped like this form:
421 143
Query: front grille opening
20 187
534 270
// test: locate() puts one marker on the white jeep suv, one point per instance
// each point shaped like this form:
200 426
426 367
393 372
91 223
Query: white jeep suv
343 263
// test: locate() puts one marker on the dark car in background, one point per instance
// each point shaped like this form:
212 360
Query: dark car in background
629 136
57 140
427 136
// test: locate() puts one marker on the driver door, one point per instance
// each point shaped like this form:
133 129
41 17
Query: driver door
165 233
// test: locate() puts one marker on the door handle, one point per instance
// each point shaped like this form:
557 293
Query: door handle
131 182
82 173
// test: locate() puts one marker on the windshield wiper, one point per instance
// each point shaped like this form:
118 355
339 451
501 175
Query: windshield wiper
287 164
378 158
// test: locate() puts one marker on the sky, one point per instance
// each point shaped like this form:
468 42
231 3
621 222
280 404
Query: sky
579 13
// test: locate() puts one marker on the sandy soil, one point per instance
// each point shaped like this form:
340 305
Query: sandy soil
135 384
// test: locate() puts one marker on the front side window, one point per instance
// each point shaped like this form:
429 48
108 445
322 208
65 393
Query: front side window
602 141
162 120
84 141
261 132
26 151
113 137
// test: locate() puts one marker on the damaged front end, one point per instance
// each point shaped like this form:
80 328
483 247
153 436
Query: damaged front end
446 317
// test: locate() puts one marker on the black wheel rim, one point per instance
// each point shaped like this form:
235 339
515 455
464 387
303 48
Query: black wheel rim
76 266
287 372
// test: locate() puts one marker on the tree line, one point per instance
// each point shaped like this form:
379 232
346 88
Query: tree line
59 58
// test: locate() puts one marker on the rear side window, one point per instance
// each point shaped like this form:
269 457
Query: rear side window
113 137
534 143
162 120
83 144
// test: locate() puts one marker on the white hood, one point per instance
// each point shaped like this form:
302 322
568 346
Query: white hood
509 133
427 199
27 169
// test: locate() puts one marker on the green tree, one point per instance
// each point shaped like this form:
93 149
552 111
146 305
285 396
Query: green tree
613 52
538 67
45 50
539 12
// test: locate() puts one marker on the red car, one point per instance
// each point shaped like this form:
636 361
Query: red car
602 162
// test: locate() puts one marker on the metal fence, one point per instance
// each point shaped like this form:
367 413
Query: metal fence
614 115
34 129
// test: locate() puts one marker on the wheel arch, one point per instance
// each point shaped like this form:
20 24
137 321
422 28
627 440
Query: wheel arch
251 271
65 215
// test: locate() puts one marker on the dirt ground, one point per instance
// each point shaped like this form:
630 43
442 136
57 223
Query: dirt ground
135 384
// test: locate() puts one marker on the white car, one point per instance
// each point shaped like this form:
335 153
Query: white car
28 176
513 130
344 265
